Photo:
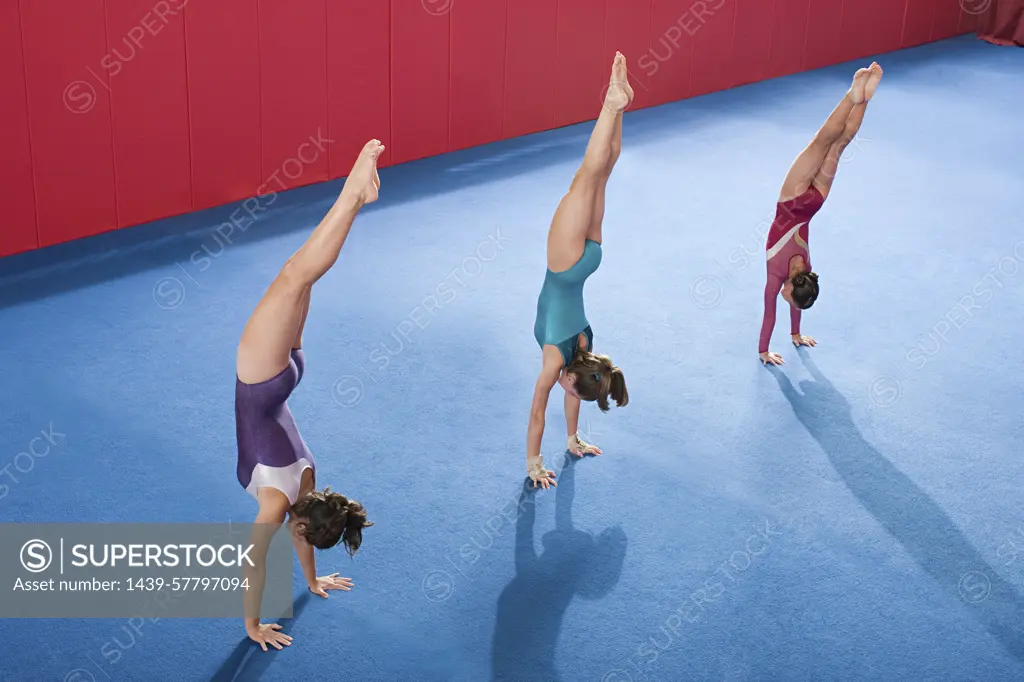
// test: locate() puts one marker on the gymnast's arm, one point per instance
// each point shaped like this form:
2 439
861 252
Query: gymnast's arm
550 371
771 294
307 560
272 514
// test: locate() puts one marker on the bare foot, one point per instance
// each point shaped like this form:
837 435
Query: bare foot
362 183
860 79
874 77
625 80
620 94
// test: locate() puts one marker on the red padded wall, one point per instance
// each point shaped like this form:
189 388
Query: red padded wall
224 100
946 22
672 30
69 118
789 36
145 62
888 18
917 22
970 14
478 73
18 227
131 110
531 44
628 30
713 22
420 56
582 65
824 28
752 40
359 80
857 32
293 91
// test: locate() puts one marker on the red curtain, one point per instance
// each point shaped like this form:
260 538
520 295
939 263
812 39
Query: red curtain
1002 23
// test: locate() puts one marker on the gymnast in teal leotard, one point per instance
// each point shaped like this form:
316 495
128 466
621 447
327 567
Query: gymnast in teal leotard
574 253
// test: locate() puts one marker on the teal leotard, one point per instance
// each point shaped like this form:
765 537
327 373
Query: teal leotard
560 315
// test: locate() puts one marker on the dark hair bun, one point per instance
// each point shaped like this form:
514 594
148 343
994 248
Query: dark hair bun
327 518
805 289
806 279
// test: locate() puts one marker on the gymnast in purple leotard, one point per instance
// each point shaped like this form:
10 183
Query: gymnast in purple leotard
803 193
271 453
274 464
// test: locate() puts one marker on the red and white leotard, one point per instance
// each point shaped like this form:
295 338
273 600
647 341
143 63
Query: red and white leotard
787 238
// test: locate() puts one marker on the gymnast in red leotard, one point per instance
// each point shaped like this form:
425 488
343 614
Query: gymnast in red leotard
803 193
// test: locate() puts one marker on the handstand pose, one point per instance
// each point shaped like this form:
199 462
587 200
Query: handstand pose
803 193
574 253
274 464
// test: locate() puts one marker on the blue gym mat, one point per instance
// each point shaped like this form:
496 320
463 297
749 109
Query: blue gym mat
854 515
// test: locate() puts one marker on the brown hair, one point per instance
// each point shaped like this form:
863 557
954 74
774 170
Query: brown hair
597 379
805 289
325 518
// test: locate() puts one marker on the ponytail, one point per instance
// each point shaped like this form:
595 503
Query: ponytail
327 518
597 379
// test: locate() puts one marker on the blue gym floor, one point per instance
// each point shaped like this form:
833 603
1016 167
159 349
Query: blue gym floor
854 516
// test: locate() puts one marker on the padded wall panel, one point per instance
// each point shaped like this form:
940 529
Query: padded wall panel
359 80
752 40
823 46
420 78
714 22
224 100
18 227
672 29
888 20
530 53
293 91
971 12
789 36
917 22
857 35
149 93
583 66
946 22
69 118
478 73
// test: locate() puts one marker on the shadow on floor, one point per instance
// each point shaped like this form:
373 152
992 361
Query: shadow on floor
532 607
904 510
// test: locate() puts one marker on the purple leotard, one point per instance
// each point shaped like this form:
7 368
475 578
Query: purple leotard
271 453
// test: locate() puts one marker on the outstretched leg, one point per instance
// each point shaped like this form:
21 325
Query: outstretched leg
808 164
597 216
574 221
304 312
276 325
830 166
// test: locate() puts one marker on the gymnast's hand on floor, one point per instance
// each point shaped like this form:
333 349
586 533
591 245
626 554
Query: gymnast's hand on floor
540 476
265 634
580 447
803 341
770 358
330 582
